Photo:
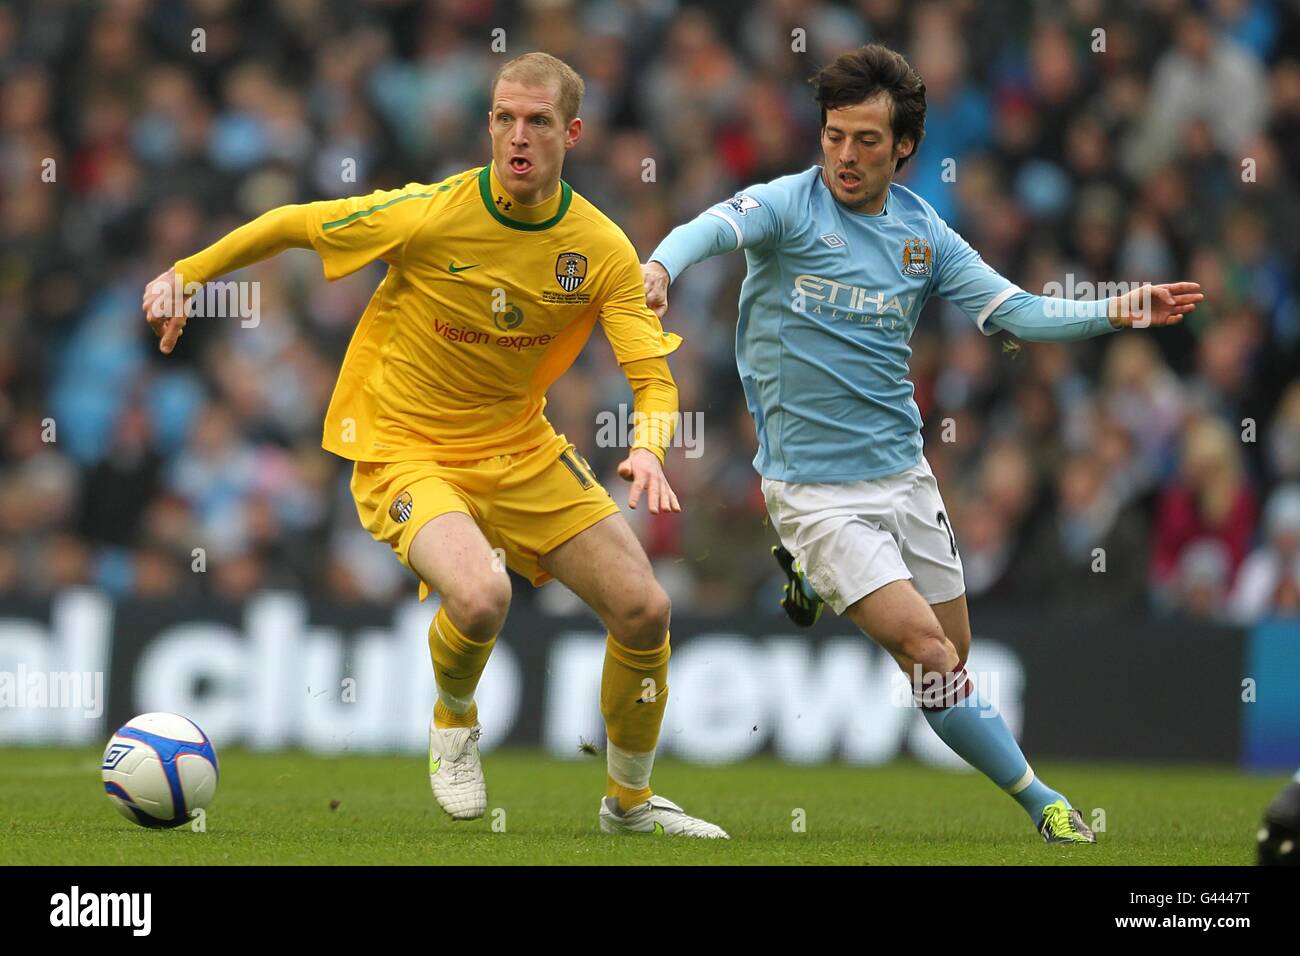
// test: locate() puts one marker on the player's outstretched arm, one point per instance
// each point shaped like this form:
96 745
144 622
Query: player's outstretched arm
164 301
701 238
994 302
742 222
1037 318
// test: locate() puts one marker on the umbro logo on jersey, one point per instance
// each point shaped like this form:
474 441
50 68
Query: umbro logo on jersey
453 268
832 240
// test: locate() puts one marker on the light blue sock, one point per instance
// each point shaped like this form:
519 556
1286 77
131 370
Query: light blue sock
977 733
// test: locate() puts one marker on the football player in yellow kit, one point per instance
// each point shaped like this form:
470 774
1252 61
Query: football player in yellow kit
496 277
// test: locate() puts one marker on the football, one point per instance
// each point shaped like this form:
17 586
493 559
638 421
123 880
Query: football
158 769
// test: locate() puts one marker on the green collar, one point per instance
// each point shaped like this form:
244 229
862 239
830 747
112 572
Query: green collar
485 191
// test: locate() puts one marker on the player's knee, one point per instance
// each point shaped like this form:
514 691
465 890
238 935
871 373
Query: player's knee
924 643
643 622
479 613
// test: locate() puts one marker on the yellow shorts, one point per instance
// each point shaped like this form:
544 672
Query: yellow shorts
526 504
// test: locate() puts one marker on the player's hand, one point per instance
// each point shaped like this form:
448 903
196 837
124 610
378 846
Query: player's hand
1155 305
159 304
642 468
655 278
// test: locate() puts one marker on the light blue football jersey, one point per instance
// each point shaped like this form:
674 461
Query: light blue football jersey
826 313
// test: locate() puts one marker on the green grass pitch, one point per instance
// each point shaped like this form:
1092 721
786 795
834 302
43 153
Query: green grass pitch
297 808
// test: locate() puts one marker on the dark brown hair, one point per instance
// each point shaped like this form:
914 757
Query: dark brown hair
867 71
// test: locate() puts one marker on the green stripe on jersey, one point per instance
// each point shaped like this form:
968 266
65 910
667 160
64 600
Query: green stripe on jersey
360 213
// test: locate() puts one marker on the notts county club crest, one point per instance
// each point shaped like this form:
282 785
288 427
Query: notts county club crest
400 509
918 259
570 270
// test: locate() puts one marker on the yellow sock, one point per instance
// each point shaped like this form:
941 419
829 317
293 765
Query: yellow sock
458 663
627 797
633 695
444 718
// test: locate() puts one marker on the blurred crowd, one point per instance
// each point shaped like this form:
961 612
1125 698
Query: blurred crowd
1071 143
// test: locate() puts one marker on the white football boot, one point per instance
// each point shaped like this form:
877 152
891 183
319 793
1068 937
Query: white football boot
656 815
455 771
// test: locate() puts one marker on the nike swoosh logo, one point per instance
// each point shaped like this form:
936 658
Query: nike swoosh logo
453 268
434 764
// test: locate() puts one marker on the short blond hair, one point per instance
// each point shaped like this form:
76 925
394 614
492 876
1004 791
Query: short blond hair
542 69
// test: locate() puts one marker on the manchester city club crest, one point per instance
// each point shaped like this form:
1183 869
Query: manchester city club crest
918 258
400 509
570 270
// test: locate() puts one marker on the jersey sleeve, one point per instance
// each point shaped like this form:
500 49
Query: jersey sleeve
268 235
654 404
1038 318
963 278
750 219
754 214
633 330
354 232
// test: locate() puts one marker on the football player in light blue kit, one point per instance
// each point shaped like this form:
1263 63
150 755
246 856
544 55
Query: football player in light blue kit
840 262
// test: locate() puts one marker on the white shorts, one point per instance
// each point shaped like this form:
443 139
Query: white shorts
854 537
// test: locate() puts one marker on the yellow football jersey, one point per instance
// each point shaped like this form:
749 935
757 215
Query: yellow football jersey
484 305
